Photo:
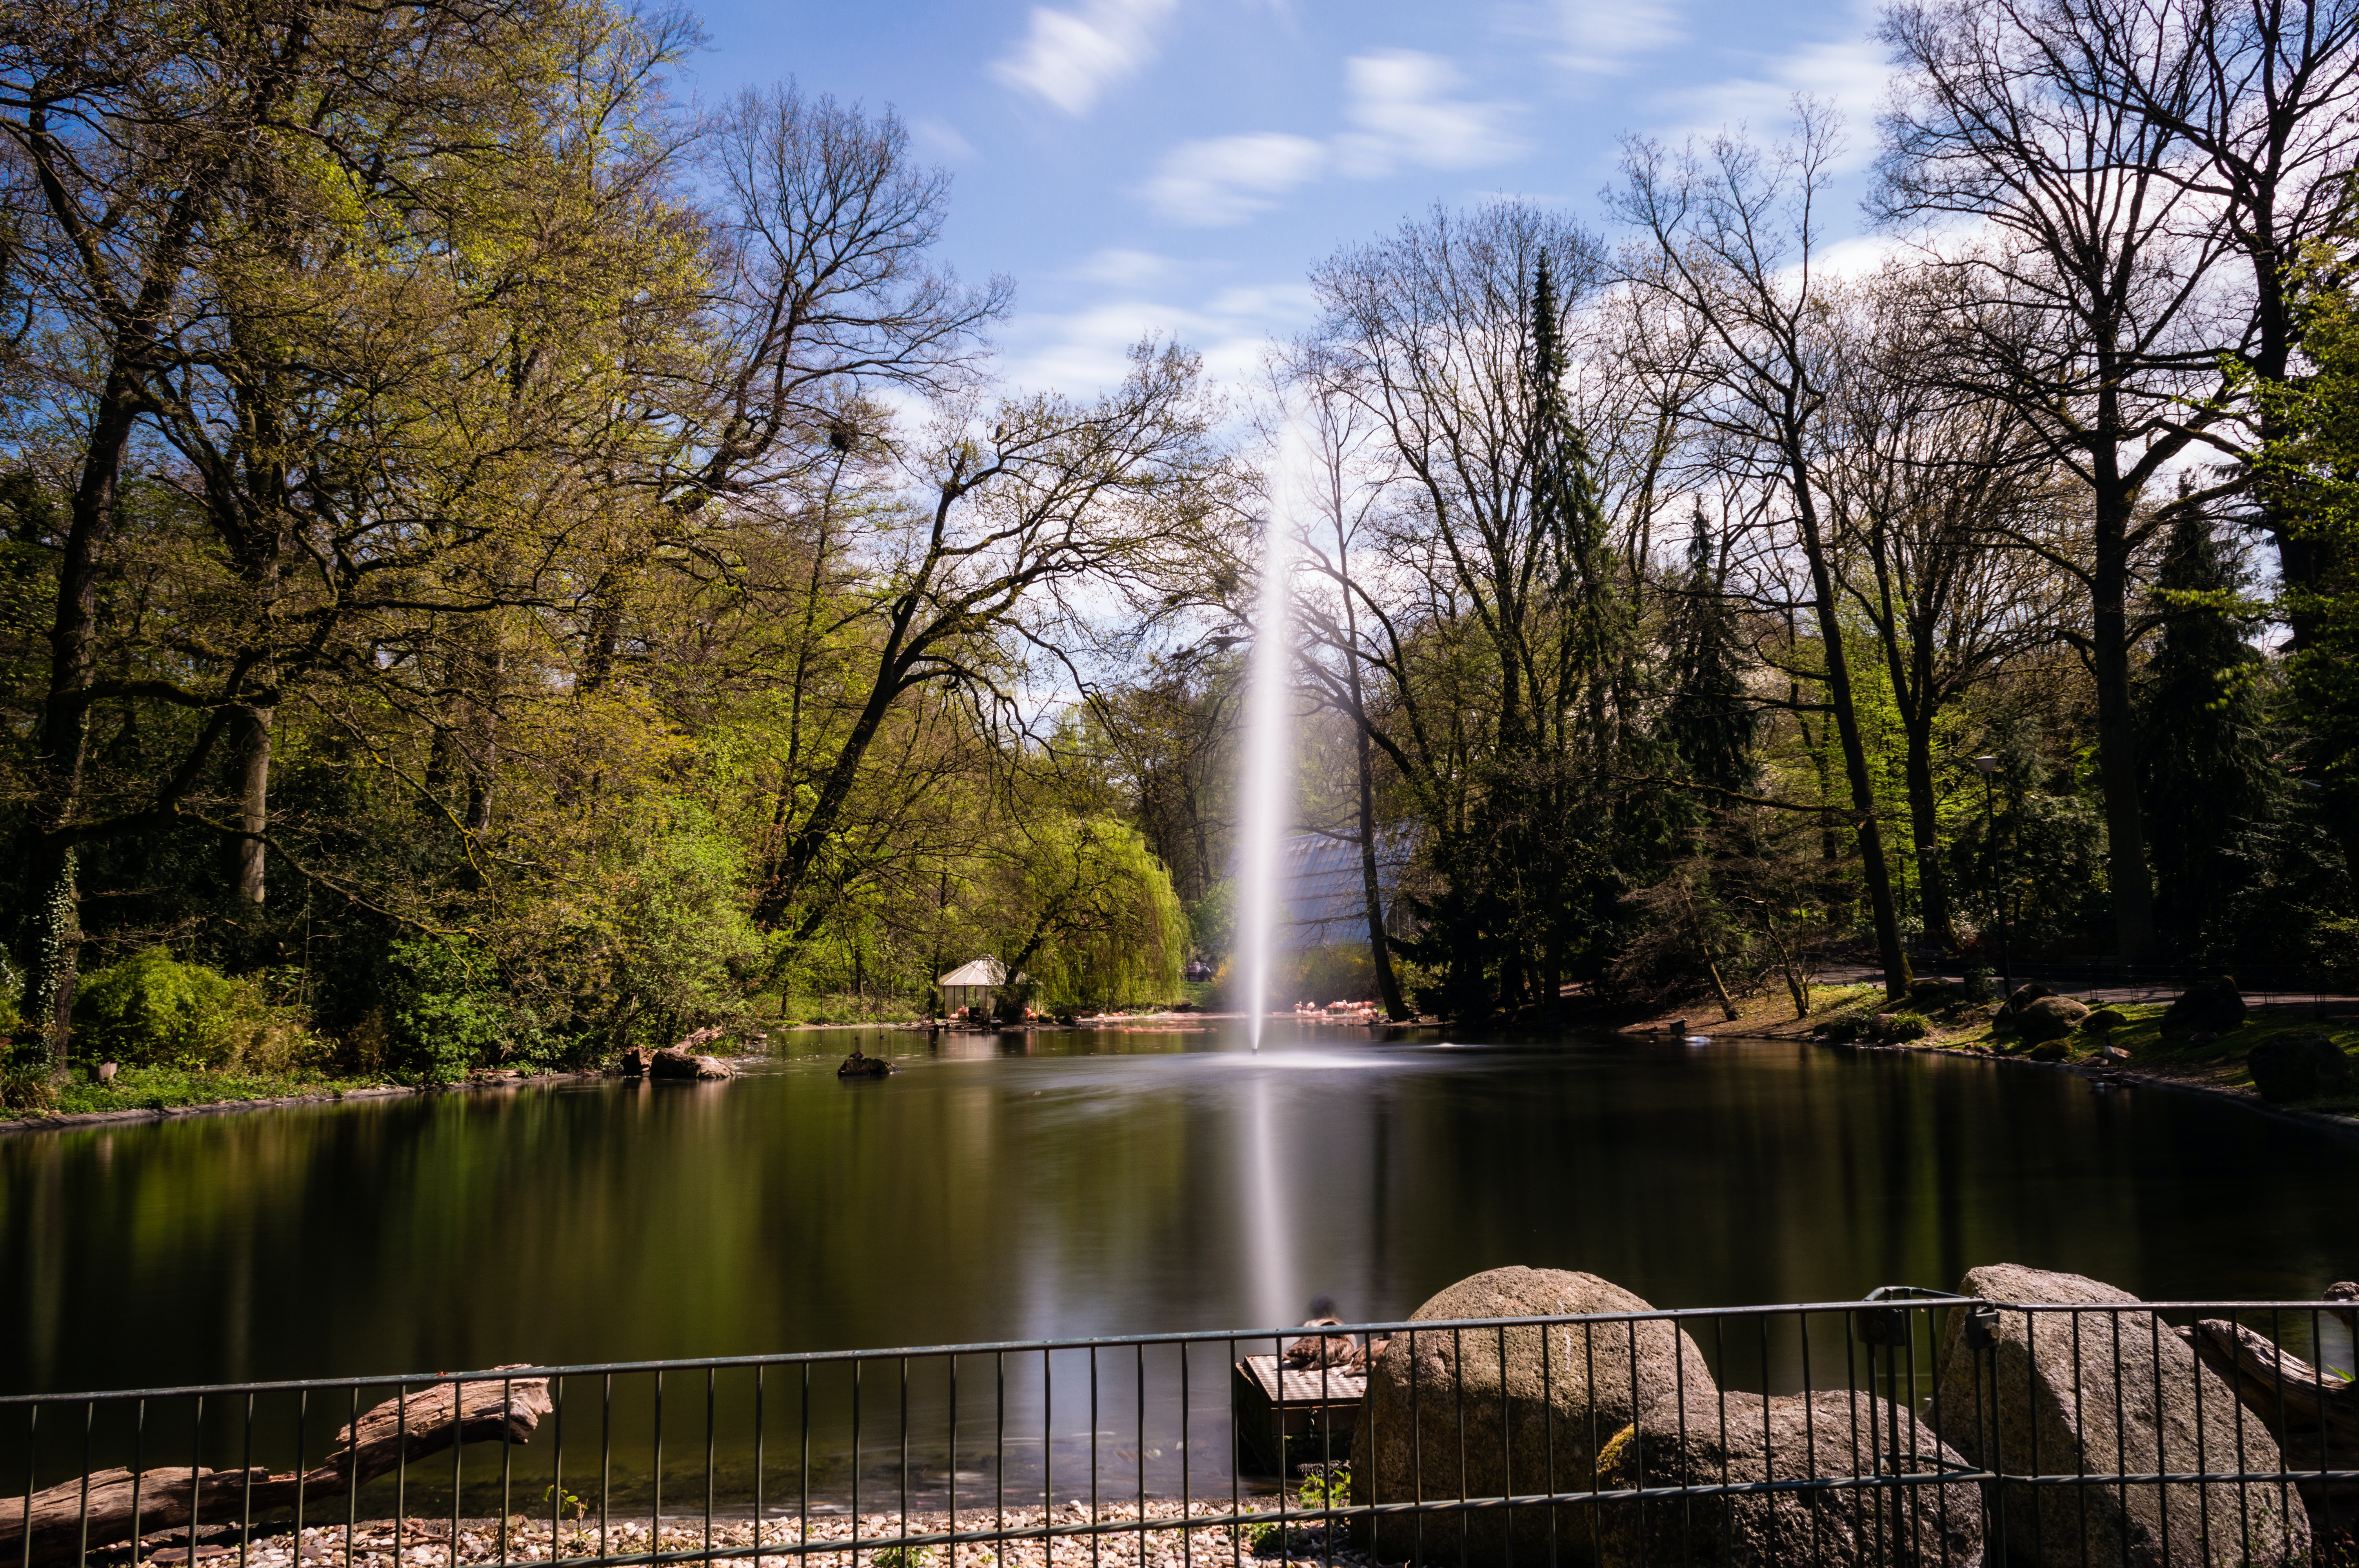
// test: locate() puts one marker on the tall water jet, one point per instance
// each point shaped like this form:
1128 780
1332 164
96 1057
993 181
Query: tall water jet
1268 775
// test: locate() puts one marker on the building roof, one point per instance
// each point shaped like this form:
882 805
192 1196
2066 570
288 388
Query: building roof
981 972
1322 901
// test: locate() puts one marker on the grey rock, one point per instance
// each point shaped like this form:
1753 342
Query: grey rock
2050 1379
1740 1438
2049 1018
674 1062
2023 996
2209 1007
1554 1397
2297 1067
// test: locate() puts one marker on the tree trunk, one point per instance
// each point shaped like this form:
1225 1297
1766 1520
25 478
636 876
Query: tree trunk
1924 823
111 1506
251 737
2117 771
1372 889
1863 785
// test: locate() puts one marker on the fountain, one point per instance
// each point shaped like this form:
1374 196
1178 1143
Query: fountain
1267 777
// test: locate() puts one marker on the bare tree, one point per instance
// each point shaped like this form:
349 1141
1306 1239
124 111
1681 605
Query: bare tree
1731 237
2086 299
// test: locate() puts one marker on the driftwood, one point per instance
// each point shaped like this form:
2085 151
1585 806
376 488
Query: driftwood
2314 1417
122 1505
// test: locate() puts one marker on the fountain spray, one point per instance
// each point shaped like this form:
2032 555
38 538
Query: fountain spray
1269 738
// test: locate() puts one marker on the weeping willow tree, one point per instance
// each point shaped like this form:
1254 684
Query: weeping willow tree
1093 918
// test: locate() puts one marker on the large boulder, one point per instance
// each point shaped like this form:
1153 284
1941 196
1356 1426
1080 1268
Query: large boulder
1493 1413
2297 1067
2022 996
2208 1007
678 1062
1739 1438
2049 1018
2106 1393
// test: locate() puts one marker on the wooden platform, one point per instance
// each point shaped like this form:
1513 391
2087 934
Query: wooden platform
1288 1415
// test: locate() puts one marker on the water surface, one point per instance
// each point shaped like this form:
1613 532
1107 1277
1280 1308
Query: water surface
1110 1182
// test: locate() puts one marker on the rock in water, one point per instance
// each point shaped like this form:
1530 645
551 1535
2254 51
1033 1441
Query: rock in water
859 1067
2049 1379
673 1062
2297 1067
1554 1397
2210 1006
1743 1438
2049 1018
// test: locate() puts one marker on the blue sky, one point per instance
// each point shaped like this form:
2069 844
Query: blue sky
1176 166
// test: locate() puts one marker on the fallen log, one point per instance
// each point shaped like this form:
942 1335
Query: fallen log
109 1507
2301 1406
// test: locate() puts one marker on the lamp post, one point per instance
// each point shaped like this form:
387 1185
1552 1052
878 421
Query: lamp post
1989 767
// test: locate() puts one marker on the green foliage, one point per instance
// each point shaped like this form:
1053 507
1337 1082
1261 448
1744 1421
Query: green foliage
1326 1488
445 1010
150 1009
1094 918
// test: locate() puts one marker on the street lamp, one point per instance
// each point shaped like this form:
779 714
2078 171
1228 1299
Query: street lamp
1989 766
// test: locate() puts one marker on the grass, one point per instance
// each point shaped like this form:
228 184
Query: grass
164 1088
2219 1062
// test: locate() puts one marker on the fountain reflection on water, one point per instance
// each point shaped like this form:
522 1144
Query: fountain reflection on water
1267 788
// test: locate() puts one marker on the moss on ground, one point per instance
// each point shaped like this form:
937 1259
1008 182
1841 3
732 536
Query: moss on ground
2218 1063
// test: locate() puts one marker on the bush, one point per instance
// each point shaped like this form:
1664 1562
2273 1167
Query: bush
1892 1028
445 1011
151 1011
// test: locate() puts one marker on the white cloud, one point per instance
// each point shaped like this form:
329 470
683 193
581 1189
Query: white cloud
1071 57
1849 73
1085 351
1400 101
942 139
1120 268
1602 35
1401 106
1227 180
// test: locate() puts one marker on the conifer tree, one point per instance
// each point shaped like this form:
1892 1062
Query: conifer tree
2204 748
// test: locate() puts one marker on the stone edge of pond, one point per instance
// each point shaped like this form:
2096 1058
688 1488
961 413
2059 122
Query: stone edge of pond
81 1118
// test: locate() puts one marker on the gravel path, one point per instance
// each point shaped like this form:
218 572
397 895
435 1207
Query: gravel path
425 1543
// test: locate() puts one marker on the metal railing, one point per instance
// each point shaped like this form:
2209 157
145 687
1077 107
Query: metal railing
1910 1428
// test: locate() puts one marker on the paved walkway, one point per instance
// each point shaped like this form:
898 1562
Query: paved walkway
2095 986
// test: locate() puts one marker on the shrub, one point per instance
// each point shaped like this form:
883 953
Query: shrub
1895 1027
151 1011
445 1011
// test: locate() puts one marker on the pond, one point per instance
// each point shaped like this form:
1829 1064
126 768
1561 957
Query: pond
1104 1182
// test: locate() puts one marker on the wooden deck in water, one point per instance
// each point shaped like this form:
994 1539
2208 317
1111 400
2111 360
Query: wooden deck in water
1290 1416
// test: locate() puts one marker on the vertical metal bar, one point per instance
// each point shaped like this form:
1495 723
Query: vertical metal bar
1547 1439
999 1446
904 1460
1138 1445
81 1546
606 1458
1809 1432
1507 1460
803 1536
761 1519
400 1463
556 1470
2034 1495
458 1433
2121 1442
1236 1471
245 1503
507 1452
2162 1427
196 1474
856 1365
1416 1457
2080 1432
138 1476
32 1474
302 1418
654 1508
950 1483
1589 1381
952 1470
1093 1454
1187 1460
1458 1415
709 1376
1047 1444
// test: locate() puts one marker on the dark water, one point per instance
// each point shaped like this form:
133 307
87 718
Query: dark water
1110 1182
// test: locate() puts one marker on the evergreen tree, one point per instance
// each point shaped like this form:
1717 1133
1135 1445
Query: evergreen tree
1708 722
2203 750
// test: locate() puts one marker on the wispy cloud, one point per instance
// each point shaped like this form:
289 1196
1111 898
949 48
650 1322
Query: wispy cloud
1404 109
1070 58
1226 179
1086 350
942 139
1850 73
1605 37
